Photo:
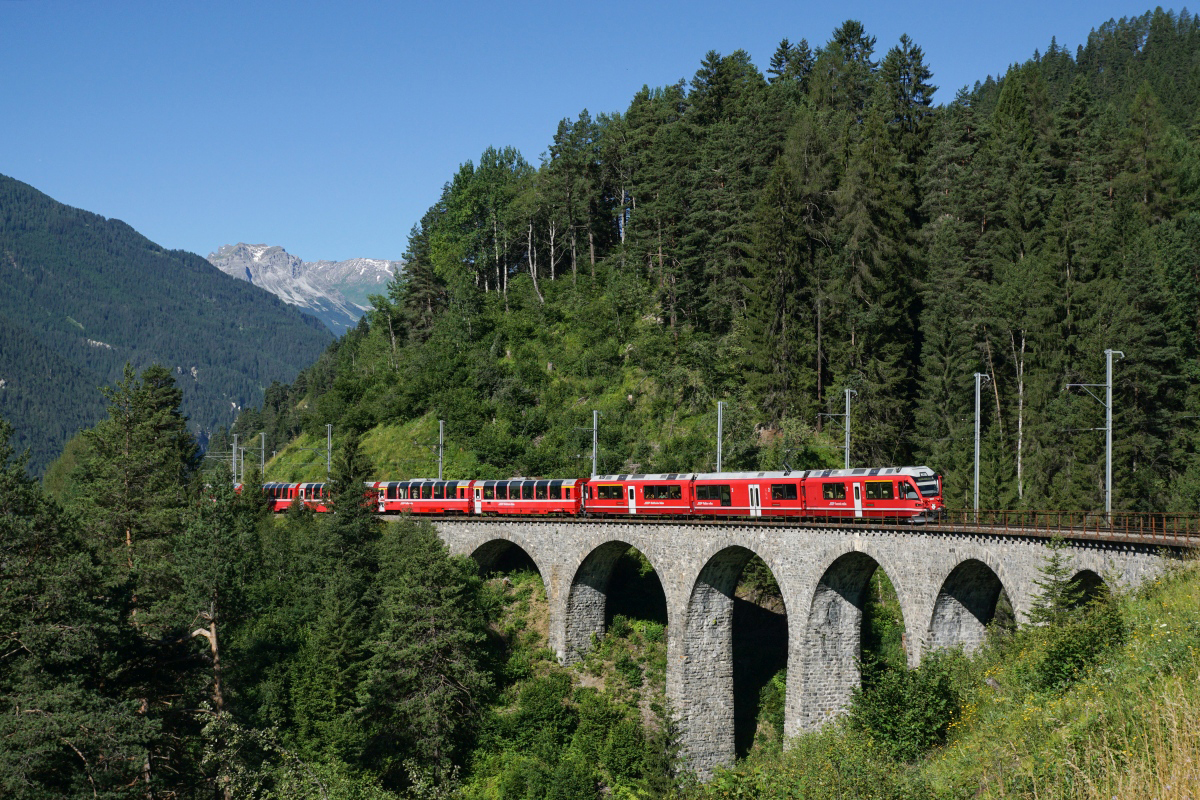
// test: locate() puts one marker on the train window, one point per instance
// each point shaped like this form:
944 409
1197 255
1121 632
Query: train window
427 491
541 493
501 491
556 493
609 492
833 491
907 492
879 490
783 491
527 491
489 493
439 491
715 492
662 492
566 493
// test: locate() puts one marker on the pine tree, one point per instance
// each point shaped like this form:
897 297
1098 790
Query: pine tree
423 687
66 728
134 480
1058 594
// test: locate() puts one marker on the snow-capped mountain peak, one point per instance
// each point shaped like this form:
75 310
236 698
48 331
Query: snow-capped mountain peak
334 291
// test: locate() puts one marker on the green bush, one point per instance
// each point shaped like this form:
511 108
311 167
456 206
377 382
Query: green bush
906 711
1060 652
771 700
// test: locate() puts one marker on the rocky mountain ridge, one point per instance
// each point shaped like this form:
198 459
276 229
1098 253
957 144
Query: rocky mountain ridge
334 292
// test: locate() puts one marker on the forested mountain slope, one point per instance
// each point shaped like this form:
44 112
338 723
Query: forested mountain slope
81 295
772 239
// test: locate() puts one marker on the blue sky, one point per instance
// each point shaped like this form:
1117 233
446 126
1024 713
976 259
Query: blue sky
329 128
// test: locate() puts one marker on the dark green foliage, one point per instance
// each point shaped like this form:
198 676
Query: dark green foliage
66 727
883 625
424 685
84 295
906 711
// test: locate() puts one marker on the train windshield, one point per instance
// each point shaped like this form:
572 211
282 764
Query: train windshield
928 486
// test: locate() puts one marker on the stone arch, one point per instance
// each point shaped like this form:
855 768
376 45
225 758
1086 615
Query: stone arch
706 679
832 637
501 554
965 605
587 598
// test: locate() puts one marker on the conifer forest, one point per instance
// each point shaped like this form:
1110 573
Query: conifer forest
763 238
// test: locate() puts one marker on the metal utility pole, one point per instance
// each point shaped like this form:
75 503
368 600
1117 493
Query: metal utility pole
1107 403
845 423
720 427
849 392
328 449
233 459
242 453
1108 354
979 378
441 442
262 456
595 438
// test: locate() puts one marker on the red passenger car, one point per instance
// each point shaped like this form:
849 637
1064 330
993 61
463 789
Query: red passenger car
518 496
424 496
665 494
749 494
280 495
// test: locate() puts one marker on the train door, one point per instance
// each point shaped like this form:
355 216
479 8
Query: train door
858 499
632 500
755 501
478 499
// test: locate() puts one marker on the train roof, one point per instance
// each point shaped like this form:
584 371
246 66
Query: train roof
663 476
542 481
916 472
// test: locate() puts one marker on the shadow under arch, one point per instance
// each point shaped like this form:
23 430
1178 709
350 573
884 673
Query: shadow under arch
501 555
833 638
1091 585
732 648
614 566
966 604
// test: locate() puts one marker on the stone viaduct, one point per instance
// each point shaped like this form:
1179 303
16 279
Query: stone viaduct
948 584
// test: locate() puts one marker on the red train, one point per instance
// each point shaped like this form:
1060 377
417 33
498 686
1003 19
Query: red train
888 493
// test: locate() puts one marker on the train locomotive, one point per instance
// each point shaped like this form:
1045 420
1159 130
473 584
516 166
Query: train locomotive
909 494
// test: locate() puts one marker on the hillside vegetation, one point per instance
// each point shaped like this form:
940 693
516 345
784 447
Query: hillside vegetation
83 295
769 240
